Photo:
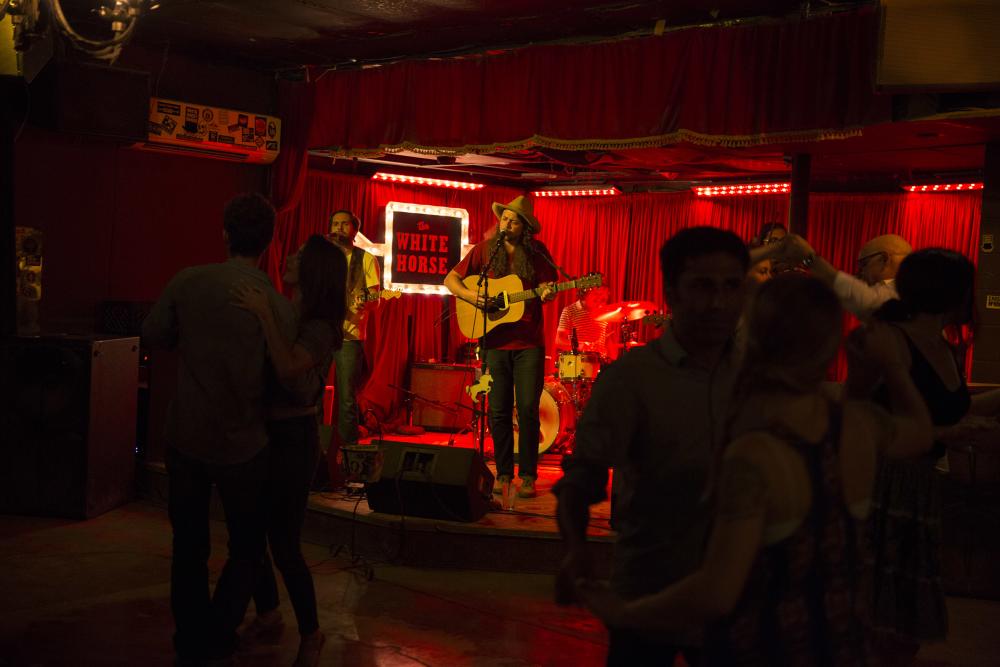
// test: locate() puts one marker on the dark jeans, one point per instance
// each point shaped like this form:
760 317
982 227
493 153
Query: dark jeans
520 372
294 455
206 624
350 368
629 649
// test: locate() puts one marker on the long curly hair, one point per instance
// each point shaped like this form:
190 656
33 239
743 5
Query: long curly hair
522 266
322 275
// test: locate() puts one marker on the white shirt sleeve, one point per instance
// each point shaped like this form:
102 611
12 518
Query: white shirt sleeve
859 297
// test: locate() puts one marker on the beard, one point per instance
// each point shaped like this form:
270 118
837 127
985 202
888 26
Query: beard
520 265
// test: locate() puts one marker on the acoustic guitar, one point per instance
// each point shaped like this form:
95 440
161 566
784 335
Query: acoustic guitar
505 302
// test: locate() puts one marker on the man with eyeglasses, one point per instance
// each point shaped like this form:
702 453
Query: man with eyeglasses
878 262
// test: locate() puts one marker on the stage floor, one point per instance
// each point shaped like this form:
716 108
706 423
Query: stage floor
522 539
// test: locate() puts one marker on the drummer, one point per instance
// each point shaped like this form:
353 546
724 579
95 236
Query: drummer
578 316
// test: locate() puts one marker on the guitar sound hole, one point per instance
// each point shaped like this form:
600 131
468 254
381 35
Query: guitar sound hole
496 314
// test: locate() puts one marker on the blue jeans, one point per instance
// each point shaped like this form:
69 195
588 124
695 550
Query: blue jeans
520 372
350 368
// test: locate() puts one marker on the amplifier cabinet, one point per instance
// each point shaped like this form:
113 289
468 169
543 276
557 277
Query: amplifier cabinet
440 401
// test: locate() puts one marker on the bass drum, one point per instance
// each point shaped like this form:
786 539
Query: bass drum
556 416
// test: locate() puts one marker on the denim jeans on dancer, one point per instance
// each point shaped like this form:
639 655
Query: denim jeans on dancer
205 623
520 372
294 455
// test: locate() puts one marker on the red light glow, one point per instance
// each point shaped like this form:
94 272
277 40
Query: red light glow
743 189
585 192
420 180
943 187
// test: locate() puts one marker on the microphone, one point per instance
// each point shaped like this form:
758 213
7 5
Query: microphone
574 341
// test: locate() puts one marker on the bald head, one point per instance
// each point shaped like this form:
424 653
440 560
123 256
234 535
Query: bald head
879 259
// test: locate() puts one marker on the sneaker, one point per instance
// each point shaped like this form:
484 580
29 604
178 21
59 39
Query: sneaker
527 489
263 629
499 482
309 650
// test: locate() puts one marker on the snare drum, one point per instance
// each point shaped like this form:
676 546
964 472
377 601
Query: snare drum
578 366
556 416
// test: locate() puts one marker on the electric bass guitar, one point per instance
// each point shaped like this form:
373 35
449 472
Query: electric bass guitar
367 297
505 302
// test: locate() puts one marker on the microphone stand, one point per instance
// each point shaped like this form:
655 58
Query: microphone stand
484 288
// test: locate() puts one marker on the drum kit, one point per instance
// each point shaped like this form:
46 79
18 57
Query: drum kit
565 394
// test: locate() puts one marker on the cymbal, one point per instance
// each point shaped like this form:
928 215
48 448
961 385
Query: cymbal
625 310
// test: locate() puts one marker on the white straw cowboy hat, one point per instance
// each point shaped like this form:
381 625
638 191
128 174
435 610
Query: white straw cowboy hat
523 207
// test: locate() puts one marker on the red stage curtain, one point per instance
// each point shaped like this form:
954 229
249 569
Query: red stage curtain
288 175
719 86
617 236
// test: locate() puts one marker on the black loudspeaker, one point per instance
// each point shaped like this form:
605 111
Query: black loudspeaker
436 482
68 419
86 98
443 384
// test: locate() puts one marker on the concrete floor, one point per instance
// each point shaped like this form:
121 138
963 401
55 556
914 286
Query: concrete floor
97 593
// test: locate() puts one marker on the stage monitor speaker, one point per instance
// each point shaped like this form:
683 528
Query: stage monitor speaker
444 384
431 481
68 418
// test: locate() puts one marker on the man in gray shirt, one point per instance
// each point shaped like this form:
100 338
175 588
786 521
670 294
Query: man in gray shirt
215 431
657 416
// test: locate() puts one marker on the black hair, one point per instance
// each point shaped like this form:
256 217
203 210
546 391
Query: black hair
697 242
322 281
933 281
355 220
249 223
765 232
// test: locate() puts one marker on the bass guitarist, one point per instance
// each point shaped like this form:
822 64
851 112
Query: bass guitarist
515 352
363 282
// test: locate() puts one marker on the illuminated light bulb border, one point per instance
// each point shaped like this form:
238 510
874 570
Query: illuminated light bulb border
394 207
743 189
420 180
942 187
582 192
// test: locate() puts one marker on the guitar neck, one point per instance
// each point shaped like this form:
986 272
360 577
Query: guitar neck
527 294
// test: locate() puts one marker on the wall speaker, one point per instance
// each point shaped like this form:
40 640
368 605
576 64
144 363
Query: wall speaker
440 402
86 98
436 482
68 418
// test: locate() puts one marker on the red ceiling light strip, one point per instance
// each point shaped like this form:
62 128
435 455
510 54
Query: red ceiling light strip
420 180
742 189
943 187
585 192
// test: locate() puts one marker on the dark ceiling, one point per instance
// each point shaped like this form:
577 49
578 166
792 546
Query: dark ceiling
282 35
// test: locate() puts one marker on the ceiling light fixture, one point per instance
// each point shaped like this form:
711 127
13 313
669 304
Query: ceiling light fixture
742 189
942 187
420 180
577 192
